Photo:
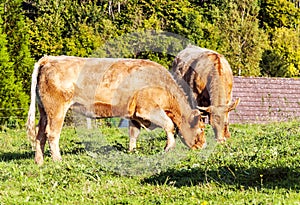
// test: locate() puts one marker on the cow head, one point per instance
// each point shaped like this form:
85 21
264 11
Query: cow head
193 131
218 119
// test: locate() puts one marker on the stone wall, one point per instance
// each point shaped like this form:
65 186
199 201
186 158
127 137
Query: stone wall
265 100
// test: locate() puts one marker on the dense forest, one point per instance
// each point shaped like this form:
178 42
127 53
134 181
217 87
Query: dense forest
258 37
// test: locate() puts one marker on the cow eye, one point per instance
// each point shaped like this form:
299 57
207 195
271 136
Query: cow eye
217 118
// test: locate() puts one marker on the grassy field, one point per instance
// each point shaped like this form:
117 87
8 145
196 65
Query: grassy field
259 164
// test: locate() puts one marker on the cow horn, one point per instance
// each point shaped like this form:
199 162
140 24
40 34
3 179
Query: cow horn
234 104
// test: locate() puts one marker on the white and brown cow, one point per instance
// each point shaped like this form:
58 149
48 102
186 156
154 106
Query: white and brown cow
210 77
140 90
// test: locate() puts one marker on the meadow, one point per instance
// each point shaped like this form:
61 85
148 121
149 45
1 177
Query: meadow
259 164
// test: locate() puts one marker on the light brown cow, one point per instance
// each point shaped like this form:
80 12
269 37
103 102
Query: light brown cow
210 77
140 90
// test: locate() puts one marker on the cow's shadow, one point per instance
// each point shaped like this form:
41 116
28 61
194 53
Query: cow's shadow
77 148
9 156
241 178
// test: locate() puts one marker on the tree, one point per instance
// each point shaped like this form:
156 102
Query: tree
278 13
18 42
178 17
281 20
243 40
282 59
13 100
47 26
237 29
83 42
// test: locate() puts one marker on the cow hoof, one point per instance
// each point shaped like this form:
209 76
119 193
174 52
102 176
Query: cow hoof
227 136
39 161
56 158
132 150
169 148
221 141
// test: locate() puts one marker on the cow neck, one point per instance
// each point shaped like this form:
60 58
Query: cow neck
217 87
184 110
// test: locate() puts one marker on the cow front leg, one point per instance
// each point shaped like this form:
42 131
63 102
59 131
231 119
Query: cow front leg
161 119
171 143
134 131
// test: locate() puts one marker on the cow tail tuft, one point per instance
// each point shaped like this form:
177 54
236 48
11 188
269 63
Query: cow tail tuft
30 125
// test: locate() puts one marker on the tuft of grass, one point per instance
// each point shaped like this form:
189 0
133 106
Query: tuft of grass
259 164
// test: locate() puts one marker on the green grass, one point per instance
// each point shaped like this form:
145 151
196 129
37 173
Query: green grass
259 164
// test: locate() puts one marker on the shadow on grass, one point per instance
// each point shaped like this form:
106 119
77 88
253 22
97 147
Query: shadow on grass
276 177
74 148
9 156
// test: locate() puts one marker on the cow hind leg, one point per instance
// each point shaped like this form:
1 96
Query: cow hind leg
53 140
161 119
54 130
41 137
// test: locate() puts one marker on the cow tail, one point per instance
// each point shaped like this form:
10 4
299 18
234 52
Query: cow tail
30 125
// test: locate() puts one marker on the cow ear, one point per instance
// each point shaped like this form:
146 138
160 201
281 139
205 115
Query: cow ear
206 109
195 117
234 105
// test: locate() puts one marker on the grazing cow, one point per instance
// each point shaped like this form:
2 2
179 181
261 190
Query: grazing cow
210 77
140 90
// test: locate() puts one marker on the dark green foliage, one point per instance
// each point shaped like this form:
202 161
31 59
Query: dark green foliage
280 18
259 38
283 58
47 28
13 100
279 13
242 40
83 42
18 46
230 27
